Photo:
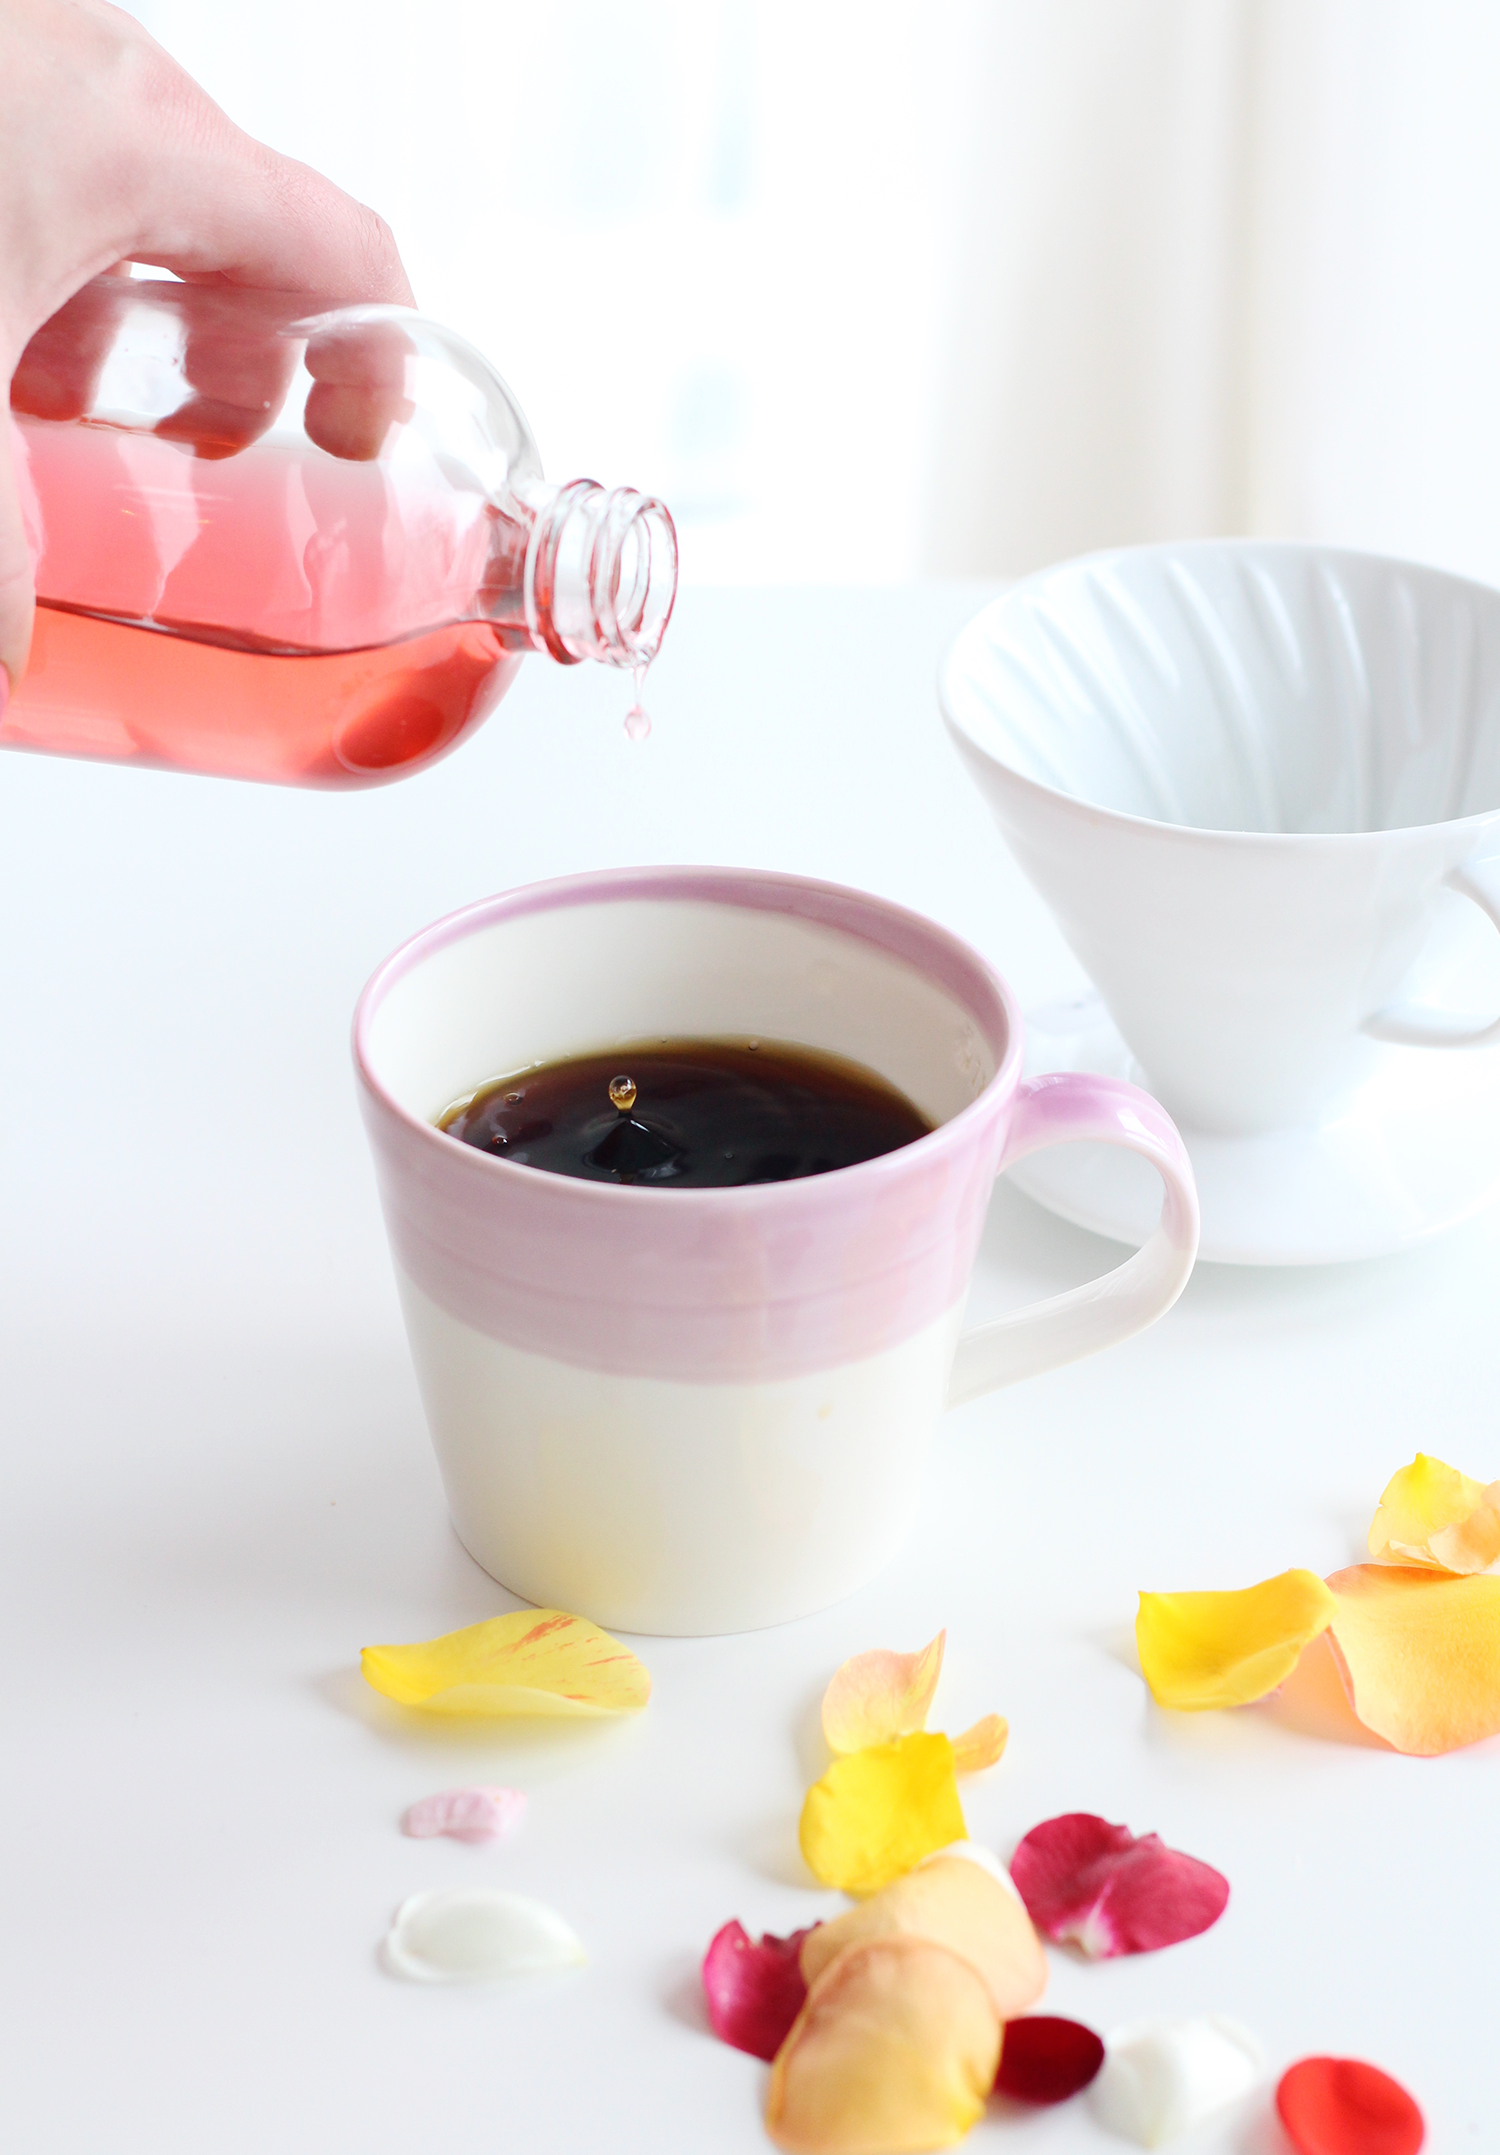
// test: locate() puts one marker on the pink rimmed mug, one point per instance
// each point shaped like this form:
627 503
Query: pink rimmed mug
697 1411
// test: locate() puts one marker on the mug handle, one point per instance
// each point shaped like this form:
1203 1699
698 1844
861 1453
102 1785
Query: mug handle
1416 1029
1063 1108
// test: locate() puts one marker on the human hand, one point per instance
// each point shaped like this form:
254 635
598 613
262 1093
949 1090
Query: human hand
113 155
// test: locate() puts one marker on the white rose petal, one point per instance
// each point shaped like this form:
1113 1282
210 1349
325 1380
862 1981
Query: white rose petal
476 1934
1162 2077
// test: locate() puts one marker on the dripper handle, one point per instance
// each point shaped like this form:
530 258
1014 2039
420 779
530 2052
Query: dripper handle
1067 1107
1406 1025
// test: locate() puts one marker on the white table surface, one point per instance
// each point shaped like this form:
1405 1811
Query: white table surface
218 1487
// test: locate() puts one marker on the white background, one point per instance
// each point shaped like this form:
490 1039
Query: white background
868 288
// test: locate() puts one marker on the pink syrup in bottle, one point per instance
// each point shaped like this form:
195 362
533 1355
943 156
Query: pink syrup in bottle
224 594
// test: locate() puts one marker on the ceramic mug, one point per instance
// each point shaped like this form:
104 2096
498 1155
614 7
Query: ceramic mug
1242 775
702 1410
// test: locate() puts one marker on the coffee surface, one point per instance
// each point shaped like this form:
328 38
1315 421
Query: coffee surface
690 1114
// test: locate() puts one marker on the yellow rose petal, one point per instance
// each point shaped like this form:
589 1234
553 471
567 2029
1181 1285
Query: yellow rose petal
878 1811
1419 1652
1434 1516
981 1745
1204 1650
876 1697
955 1902
533 1661
894 2051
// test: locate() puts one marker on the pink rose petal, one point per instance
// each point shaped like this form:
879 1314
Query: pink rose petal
754 1990
1096 1884
465 1814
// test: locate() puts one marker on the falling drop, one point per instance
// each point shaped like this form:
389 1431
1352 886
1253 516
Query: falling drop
638 718
622 1093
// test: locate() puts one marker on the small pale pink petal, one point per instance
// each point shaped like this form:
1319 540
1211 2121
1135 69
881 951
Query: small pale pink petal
466 1814
876 1697
1097 1886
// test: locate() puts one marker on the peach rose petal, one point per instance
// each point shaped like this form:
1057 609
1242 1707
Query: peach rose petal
894 2052
981 1745
1199 1651
1419 1653
1433 1516
754 1988
879 1696
1088 1883
953 1902
533 1661
878 1811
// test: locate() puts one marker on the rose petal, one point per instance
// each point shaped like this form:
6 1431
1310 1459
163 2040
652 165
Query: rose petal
1205 1650
1338 2106
981 1745
878 1811
975 1852
1163 2077
466 1814
476 1934
1045 2060
951 1902
1432 1515
1419 1652
533 1661
1085 1880
894 2051
755 1988
876 1697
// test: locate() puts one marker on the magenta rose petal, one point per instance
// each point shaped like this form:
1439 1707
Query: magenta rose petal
1096 1885
1045 2059
754 1988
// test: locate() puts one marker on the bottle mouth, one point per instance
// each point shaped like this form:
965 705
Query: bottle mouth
602 577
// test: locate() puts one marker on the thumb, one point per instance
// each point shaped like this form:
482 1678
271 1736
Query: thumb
17 595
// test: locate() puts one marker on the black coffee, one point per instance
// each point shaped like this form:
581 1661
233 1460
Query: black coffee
690 1114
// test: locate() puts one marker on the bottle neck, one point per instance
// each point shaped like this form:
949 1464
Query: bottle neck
600 575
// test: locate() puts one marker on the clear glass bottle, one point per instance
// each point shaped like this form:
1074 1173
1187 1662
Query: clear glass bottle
306 549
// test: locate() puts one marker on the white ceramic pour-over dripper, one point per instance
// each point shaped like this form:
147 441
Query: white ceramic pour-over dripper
1242 774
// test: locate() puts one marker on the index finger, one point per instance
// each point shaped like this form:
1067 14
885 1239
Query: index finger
359 373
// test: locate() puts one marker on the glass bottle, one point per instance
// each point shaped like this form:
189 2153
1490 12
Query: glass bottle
307 548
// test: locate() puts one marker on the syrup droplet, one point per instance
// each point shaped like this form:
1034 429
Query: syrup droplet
513 1099
638 718
622 1093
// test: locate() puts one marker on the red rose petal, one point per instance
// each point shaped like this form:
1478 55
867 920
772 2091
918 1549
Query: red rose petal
1086 1880
754 1991
1045 2060
1338 2106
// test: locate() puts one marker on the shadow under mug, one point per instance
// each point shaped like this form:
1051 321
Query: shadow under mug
697 1411
1242 774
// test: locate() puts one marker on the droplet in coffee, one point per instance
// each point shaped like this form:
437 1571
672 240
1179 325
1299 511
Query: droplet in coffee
692 1114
